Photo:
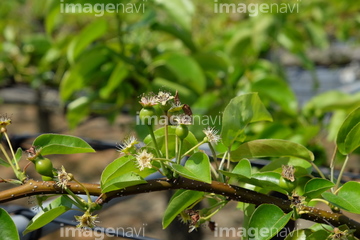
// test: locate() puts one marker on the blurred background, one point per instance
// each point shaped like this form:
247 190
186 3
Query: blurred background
79 67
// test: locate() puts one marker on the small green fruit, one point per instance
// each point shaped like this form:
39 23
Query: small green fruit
287 184
147 115
181 131
44 167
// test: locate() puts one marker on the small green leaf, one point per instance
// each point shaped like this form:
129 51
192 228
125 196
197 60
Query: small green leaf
181 200
241 111
4 163
316 187
180 11
197 167
184 68
266 180
270 219
114 173
61 144
347 197
93 31
18 154
122 181
8 230
57 207
241 170
271 148
302 167
352 140
348 136
270 86
117 76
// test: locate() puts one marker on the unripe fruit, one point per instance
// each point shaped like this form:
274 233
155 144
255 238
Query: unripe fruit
286 184
147 115
181 131
44 167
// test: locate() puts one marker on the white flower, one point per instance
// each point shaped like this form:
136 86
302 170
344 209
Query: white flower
148 101
128 144
144 159
211 135
164 97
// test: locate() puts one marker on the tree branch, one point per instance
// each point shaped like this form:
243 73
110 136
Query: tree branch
32 187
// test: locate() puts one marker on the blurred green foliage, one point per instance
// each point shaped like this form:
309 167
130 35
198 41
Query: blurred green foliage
101 64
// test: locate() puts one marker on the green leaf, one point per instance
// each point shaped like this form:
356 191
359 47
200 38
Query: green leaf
93 31
241 170
266 180
122 181
8 230
18 154
347 197
117 76
241 111
185 69
4 163
269 220
180 11
57 207
316 187
197 167
188 142
61 144
302 167
271 148
181 200
270 87
113 173
348 136
80 73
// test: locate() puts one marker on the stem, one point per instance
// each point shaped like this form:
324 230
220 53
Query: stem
319 200
166 138
7 157
120 34
86 191
12 150
341 172
332 165
178 158
213 154
213 170
154 140
221 205
317 169
80 204
194 147
223 160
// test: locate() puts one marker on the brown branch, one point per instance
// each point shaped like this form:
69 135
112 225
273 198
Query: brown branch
232 192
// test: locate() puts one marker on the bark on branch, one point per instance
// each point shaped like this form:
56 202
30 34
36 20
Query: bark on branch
32 187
